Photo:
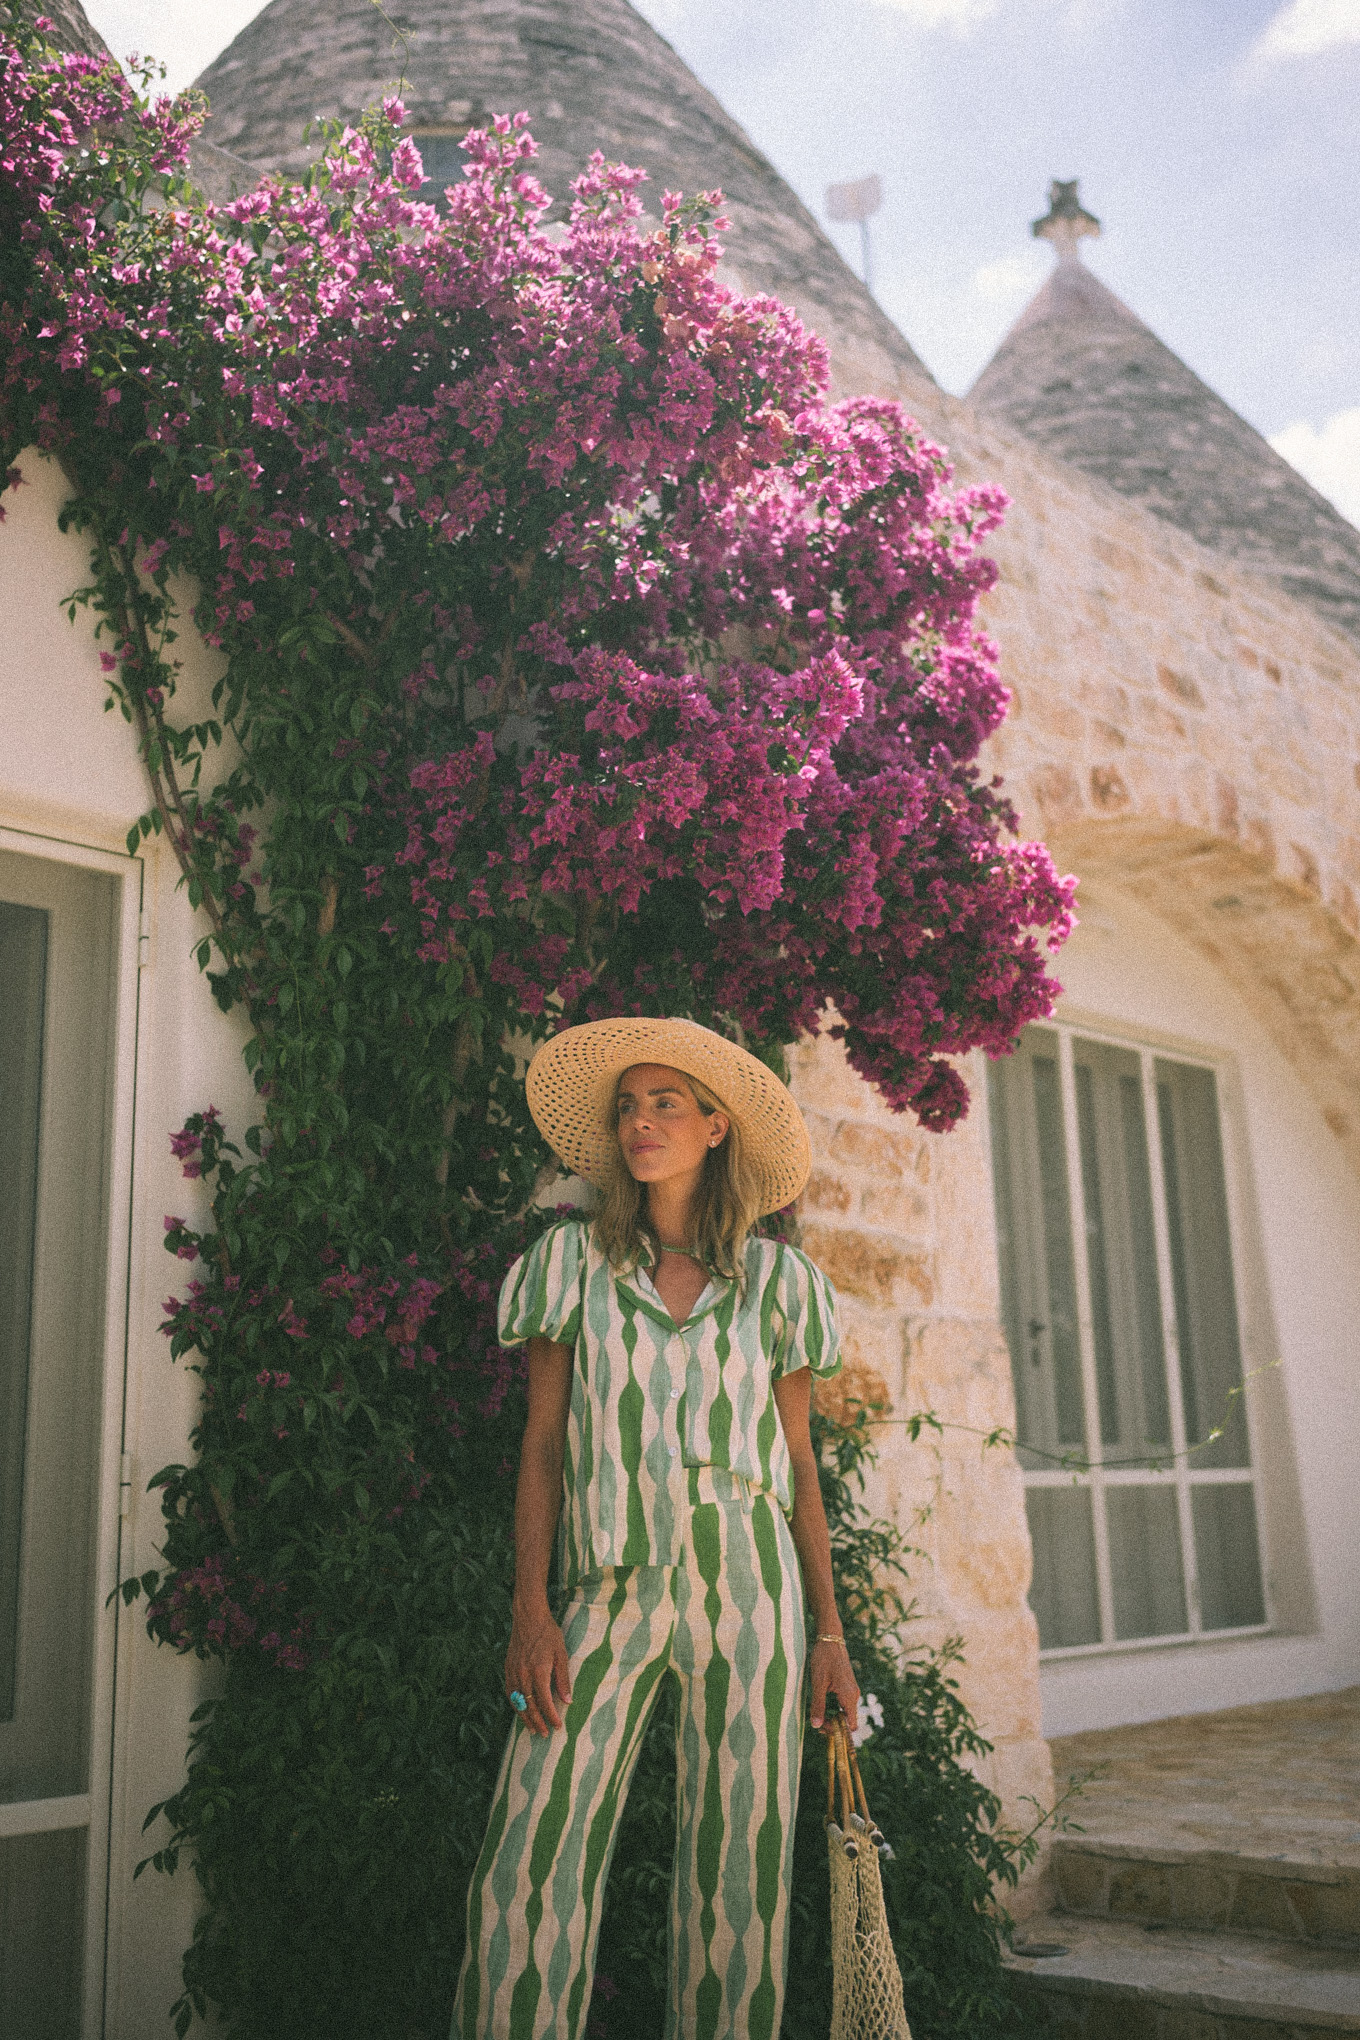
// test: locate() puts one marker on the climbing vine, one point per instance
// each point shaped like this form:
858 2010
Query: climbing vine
577 656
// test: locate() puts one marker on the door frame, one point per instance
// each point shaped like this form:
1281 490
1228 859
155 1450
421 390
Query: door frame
93 1810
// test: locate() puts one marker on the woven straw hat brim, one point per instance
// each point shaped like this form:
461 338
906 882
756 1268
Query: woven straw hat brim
573 1080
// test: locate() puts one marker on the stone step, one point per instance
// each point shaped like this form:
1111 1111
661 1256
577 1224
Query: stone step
1088 1979
1209 1890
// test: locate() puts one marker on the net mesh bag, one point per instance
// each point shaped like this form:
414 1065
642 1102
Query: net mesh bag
866 1985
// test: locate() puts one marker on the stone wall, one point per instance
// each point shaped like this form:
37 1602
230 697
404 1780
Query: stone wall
902 1223
1178 728
1177 725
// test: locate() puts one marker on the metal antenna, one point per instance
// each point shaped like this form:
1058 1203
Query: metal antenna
858 202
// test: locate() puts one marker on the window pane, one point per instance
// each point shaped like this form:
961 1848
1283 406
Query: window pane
1010 1252
1034 1246
1142 1251
1063 1594
1201 1262
1062 1281
443 160
1145 1562
1226 1552
55 1040
58 938
1126 1317
42 1905
23 976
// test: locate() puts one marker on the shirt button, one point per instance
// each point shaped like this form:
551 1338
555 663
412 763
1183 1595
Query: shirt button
672 1451
675 1395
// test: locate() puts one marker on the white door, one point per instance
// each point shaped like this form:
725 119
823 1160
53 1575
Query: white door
59 937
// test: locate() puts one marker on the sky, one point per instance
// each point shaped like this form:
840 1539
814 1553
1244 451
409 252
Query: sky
1214 139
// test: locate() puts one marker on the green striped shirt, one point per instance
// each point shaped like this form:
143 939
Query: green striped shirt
650 1397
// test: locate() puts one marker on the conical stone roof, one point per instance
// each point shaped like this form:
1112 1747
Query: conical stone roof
592 74
1081 374
71 27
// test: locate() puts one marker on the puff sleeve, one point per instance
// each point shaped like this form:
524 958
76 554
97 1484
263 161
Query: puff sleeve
807 1334
541 1295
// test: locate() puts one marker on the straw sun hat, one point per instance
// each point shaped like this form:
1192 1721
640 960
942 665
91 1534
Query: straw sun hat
573 1079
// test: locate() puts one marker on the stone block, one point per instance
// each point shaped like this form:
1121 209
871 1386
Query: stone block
906 1210
1140 1891
1329 1911
965 1230
871 1266
1261 1905
998 1677
856 1388
1056 792
1180 686
959 1367
1081 1879
1157 720
1108 2018
983 1538
826 1192
822 1079
876 1150
1109 792
1022 1777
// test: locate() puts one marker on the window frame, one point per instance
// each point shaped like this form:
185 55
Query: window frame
1151 1045
93 1811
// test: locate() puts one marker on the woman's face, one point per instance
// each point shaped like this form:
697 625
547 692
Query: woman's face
662 1131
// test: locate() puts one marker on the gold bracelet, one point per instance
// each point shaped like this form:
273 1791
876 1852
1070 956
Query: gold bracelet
840 1638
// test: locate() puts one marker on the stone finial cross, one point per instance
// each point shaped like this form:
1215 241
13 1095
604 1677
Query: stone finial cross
1066 223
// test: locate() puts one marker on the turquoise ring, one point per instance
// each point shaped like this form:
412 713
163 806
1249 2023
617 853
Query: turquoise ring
518 1702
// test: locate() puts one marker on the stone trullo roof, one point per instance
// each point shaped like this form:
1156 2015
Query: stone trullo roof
71 27
591 74
1081 374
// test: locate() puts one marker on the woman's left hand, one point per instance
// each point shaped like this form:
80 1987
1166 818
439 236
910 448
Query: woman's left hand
831 1672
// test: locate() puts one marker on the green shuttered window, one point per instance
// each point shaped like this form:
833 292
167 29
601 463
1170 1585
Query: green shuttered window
1120 1307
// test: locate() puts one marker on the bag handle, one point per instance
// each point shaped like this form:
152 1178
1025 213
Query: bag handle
843 1778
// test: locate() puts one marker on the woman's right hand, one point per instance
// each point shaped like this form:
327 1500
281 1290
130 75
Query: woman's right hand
536 1666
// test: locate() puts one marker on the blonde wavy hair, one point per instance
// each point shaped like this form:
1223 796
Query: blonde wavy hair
726 1206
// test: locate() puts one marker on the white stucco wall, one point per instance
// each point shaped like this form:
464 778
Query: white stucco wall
1297 1222
70 787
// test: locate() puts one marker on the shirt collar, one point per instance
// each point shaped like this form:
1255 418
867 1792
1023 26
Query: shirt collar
642 1289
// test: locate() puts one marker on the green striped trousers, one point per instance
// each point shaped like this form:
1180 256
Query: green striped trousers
727 1621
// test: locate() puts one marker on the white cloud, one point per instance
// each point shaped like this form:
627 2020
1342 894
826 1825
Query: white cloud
1305 28
1011 279
1329 458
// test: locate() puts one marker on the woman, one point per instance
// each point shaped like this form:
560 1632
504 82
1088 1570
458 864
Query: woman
671 1358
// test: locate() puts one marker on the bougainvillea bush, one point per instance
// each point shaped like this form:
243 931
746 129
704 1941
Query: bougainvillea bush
578 657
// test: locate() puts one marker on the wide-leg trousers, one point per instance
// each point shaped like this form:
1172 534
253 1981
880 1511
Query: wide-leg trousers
727 1622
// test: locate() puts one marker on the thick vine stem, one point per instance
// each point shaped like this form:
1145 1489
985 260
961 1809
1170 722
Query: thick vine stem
365 654
464 1048
167 797
224 1515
